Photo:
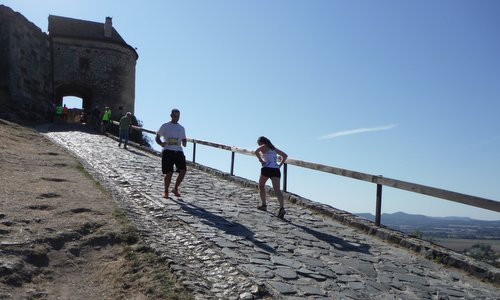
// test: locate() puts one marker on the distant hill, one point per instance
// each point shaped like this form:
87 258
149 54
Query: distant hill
452 227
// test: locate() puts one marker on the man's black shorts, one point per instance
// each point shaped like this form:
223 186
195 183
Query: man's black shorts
170 158
270 172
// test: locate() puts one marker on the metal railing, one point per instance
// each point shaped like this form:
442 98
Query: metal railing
379 180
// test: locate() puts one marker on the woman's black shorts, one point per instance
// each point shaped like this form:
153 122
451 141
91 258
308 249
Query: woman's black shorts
270 172
170 158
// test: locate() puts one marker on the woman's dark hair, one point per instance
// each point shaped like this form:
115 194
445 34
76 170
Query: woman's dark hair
266 141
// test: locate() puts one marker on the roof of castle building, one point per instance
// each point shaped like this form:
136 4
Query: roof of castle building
68 27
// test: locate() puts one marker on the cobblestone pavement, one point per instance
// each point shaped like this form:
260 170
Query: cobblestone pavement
221 247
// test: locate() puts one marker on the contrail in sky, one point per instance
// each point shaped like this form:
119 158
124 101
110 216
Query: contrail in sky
355 131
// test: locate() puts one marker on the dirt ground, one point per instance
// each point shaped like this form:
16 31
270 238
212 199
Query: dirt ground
61 234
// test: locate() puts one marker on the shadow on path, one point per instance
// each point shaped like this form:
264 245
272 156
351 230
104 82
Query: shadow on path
138 153
58 127
221 223
338 243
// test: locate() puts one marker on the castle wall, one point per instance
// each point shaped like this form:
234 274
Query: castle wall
4 55
26 67
104 72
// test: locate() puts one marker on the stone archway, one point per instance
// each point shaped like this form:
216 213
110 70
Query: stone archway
77 91
75 115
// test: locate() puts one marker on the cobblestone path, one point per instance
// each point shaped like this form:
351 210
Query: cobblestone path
221 247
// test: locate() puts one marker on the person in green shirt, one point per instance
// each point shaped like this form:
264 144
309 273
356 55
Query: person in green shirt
106 117
59 111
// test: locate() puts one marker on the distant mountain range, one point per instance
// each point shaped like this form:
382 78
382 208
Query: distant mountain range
456 227
402 218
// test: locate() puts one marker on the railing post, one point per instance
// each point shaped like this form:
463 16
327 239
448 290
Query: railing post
194 152
284 177
232 162
378 207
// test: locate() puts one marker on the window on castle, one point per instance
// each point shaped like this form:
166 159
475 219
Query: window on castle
84 65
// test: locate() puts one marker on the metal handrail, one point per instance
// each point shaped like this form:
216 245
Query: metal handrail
379 180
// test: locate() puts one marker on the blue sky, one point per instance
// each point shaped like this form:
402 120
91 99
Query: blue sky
405 89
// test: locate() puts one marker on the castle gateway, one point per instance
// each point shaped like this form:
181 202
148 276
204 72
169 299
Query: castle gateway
93 62
89 60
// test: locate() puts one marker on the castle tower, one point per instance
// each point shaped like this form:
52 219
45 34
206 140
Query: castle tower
93 62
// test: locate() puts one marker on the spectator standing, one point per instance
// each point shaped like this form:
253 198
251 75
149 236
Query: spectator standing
51 111
106 117
172 137
125 123
65 114
95 115
59 111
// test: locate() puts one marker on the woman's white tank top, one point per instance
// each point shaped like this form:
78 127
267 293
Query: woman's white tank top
270 158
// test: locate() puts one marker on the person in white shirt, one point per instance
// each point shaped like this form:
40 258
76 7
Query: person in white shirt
268 157
172 137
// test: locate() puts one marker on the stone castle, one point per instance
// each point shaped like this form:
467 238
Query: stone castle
89 60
